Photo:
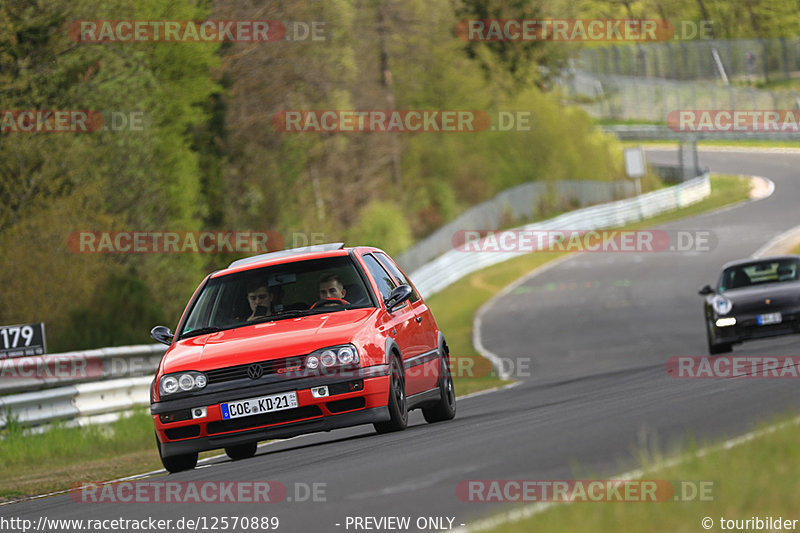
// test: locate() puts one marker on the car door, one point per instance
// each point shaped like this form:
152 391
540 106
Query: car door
400 324
425 329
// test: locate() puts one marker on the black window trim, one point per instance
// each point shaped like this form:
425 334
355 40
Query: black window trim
415 294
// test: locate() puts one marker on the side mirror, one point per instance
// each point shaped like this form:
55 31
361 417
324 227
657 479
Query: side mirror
705 289
162 334
398 296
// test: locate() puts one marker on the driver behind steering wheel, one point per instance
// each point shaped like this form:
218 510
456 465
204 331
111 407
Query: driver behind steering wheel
331 287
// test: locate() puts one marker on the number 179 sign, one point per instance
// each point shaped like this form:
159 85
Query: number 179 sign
22 340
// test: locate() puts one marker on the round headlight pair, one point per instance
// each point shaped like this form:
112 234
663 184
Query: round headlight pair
327 359
344 355
185 382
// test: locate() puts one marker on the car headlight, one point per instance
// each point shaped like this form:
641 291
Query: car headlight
344 355
721 305
327 358
182 382
347 355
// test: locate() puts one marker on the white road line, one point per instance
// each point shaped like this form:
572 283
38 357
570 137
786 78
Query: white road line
780 244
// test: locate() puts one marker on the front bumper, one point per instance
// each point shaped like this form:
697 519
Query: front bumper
355 399
748 328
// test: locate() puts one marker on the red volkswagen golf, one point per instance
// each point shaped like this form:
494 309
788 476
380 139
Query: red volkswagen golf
297 341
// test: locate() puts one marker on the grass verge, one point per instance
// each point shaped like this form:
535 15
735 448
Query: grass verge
754 479
63 457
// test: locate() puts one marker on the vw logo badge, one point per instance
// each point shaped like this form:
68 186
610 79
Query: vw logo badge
254 371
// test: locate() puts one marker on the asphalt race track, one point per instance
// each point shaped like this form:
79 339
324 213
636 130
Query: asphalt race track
596 330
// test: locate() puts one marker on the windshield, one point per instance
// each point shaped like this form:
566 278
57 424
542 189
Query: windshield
778 270
273 293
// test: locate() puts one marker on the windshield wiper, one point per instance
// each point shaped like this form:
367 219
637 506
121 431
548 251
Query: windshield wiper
201 331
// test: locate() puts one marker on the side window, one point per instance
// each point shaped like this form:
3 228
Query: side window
397 273
382 278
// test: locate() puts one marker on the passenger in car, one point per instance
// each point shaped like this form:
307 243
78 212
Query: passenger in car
260 299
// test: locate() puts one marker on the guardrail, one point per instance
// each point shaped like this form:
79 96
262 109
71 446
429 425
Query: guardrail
455 264
663 133
80 387
100 385
517 203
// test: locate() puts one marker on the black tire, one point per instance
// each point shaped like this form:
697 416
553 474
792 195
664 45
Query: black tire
716 349
445 408
177 463
398 408
241 451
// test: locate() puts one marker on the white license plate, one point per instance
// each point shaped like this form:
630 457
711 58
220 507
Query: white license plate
257 406
769 318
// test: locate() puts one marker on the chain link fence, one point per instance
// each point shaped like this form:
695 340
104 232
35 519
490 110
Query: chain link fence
748 60
648 81
652 99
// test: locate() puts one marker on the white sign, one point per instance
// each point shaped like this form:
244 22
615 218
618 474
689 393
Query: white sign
634 162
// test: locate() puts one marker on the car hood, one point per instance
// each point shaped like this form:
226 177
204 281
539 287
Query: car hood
267 340
781 295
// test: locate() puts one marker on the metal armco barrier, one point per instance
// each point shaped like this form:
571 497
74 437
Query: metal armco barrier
99 385
455 264
77 386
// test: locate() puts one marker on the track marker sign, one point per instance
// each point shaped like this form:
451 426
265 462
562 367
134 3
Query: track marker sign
22 340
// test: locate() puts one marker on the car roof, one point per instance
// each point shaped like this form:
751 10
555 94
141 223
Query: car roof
753 261
315 251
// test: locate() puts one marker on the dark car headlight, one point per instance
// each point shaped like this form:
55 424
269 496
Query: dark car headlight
182 382
721 305
343 356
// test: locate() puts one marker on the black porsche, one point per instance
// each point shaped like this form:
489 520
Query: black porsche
753 299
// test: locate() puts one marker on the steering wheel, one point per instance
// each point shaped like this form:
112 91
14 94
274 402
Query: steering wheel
329 302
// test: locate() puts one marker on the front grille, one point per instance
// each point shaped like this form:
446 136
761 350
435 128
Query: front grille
277 417
230 373
182 432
